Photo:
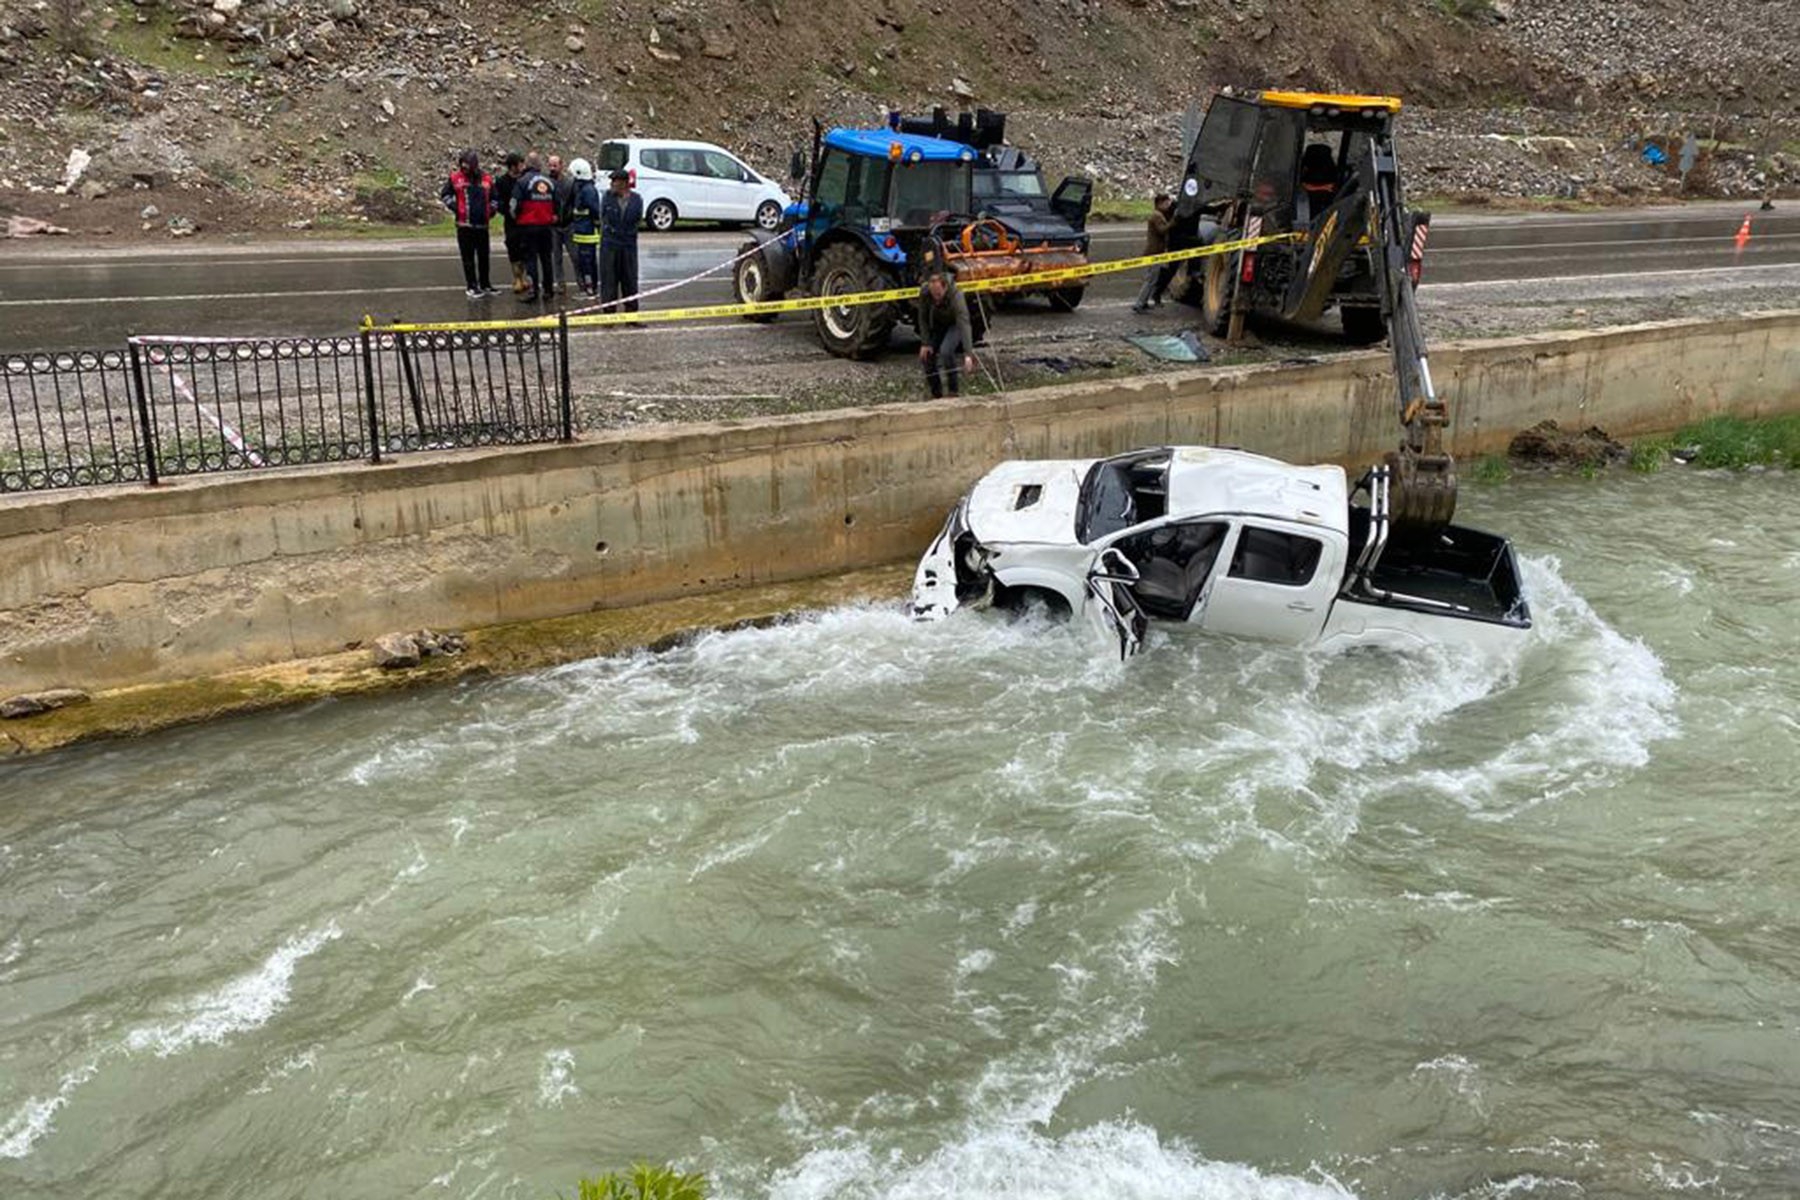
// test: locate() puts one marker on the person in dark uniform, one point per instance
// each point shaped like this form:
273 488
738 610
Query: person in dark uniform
584 228
534 208
621 211
947 344
565 192
509 227
469 195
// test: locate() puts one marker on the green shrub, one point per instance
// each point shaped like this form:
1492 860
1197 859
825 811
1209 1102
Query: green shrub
645 1182
1649 455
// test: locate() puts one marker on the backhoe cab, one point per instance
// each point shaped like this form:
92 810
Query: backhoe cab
1322 167
1289 162
879 206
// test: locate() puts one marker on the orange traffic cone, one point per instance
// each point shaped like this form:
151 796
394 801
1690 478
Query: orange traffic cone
1743 234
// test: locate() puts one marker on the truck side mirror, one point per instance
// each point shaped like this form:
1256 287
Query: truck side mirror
797 167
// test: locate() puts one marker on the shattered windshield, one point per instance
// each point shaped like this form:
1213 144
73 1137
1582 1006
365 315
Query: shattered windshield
1121 492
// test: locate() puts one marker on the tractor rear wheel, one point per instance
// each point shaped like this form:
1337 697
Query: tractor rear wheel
1363 326
1067 299
860 330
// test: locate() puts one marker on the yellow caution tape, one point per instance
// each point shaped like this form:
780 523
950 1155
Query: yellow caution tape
712 312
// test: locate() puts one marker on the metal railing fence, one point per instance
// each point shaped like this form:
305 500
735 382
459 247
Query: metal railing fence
163 407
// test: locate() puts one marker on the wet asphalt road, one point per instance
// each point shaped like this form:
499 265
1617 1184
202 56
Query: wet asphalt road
53 296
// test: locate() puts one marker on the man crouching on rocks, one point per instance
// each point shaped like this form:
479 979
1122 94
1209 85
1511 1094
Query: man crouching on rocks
943 323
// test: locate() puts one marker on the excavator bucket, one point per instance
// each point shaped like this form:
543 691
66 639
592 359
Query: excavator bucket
1423 490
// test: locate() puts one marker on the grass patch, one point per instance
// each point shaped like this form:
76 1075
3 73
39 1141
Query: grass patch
154 44
1490 468
1735 443
1650 454
438 225
1111 208
1466 10
644 1183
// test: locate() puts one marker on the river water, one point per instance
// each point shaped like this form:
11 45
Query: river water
857 908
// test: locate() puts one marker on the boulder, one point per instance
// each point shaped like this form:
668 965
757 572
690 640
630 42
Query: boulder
30 704
396 652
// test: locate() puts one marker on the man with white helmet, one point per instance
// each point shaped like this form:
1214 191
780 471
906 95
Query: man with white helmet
584 227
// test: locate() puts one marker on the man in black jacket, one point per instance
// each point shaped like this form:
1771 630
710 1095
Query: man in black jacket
565 194
509 226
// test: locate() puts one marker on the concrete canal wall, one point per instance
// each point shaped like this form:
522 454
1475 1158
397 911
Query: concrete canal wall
108 588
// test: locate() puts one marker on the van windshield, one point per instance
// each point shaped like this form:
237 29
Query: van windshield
612 156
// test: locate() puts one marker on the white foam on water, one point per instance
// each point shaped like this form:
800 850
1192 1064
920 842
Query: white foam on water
1116 1159
245 1003
34 1118
556 1079
1616 703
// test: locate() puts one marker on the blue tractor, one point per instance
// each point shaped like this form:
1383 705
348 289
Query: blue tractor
876 207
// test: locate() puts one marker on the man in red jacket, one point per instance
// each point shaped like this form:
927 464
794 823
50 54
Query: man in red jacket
534 208
469 195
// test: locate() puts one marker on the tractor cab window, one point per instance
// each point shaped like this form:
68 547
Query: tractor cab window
924 190
853 188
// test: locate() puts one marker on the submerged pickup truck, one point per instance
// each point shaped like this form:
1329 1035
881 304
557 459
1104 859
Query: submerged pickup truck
1220 541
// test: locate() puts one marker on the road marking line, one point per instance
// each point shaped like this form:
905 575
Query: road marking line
1787 266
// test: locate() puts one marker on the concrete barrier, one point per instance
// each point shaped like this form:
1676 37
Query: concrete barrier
109 588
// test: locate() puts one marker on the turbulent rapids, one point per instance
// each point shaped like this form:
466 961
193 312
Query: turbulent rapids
857 907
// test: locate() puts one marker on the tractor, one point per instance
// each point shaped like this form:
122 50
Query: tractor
1275 162
878 205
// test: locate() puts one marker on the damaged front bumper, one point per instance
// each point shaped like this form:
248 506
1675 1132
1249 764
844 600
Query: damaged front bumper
953 572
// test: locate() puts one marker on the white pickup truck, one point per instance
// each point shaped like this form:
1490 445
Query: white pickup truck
1223 542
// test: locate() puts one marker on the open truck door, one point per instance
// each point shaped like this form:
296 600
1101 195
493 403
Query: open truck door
1112 607
1072 200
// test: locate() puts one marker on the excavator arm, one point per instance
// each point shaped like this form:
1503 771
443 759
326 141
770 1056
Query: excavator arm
1421 472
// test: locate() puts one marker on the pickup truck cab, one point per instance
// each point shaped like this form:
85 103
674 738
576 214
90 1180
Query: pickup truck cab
1219 541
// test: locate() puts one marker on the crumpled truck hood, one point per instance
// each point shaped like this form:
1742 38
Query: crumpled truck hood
1028 502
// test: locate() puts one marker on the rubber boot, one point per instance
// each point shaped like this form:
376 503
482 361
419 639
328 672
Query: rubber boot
519 281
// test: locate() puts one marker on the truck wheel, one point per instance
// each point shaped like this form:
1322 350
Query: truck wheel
1067 299
1363 326
660 216
750 282
1215 293
860 330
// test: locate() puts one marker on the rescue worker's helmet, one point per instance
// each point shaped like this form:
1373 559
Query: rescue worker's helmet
582 169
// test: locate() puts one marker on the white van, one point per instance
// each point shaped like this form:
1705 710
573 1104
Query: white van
692 180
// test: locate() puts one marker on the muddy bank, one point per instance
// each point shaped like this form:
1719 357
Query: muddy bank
496 650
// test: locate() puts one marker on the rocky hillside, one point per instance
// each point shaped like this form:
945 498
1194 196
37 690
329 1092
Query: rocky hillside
258 114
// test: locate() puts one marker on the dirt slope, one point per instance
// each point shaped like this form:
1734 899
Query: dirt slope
264 113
